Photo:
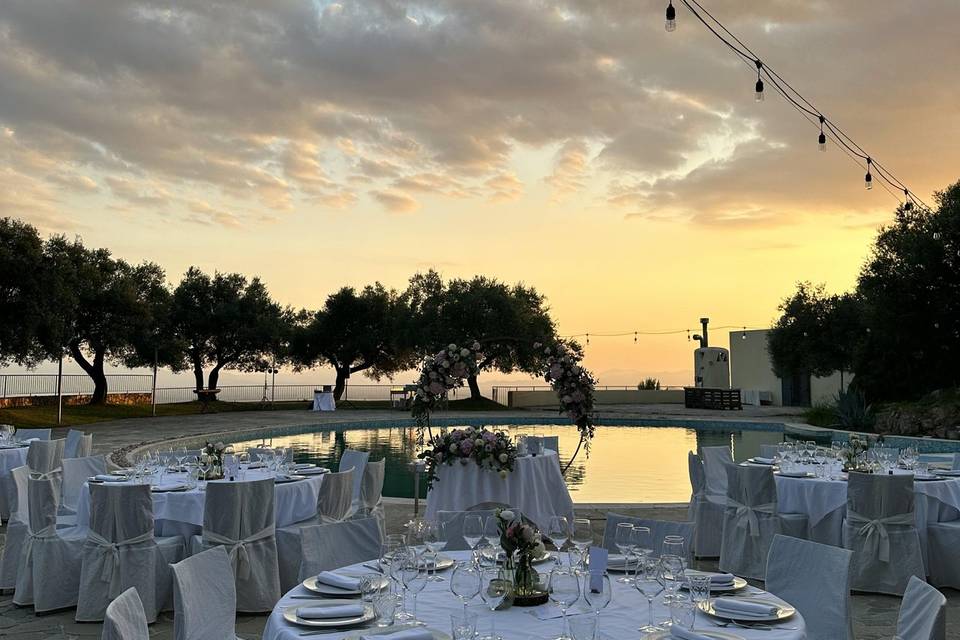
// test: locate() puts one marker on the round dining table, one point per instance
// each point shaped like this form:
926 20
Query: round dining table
622 618
535 487
11 457
181 512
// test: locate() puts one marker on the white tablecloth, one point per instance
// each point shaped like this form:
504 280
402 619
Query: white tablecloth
535 487
323 401
181 512
621 619
9 459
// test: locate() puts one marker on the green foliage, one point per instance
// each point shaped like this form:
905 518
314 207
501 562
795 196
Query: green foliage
21 293
853 411
821 415
649 384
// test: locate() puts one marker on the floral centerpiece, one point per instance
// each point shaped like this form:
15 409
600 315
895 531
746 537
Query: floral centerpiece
440 373
853 453
522 544
489 450
211 457
573 384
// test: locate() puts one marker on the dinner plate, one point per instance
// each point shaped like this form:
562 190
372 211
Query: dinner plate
313 471
397 628
299 466
717 635
13 446
763 462
949 473
290 615
285 479
546 557
795 474
618 563
171 489
783 612
929 478
738 584
311 584
442 563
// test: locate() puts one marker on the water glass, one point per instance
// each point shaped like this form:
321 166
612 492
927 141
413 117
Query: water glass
385 606
369 586
564 589
683 613
582 537
494 590
463 626
699 586
583 627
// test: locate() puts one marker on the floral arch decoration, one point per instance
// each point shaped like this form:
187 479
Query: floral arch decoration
450 367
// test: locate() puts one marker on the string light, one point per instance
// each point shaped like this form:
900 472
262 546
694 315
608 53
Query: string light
759 86
868 179
908 201
743 336
671 23
668 332
634 337
822 140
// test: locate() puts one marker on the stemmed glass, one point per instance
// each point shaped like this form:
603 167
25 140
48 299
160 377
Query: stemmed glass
465 583
400 558
564 588
672 574
205 465
623 539
414 577
582 537
473 531
647 582
435 540
600 597
642 539
559 531
491 530
494 589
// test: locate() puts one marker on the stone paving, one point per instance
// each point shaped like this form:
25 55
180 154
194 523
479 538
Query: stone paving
874 615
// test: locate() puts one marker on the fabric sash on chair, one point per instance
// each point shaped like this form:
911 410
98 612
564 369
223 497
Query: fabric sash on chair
877 539
238 548
747 514
111 562
49 531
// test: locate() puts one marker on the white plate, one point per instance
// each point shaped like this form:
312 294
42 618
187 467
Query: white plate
290 615
179 487
949 473
311 584
784 611
617 562
291 478
760 462
397 628
795 474
738 584
927 478
313 471
717 635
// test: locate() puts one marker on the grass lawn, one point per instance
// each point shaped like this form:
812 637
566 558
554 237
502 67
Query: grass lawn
86 414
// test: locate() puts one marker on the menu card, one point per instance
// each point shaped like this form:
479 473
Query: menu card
598 567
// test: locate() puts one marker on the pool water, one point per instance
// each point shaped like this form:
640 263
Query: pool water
625 464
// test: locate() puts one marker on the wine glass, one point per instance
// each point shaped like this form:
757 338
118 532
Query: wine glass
642 539
674 546
491 530
472 530
559 531
465 582
623 539
435 540
582 537
647 582
494 589
414 536
598 592
205 465
672 573
564 588
414 577
398 560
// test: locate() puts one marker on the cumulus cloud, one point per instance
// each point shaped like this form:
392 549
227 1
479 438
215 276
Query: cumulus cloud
396 201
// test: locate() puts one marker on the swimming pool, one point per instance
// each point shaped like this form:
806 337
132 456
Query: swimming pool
625 464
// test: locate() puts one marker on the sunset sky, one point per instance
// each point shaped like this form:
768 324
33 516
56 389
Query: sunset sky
625 172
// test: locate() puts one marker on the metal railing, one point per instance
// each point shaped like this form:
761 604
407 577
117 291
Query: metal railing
500 393
19 385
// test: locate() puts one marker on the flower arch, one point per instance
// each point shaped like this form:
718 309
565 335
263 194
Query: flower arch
573 384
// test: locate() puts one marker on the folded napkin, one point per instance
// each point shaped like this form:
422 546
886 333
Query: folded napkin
616 560
741 606
762 460
333 611
304 465
337 580
715 578
109 478
680 633
406 634
167 486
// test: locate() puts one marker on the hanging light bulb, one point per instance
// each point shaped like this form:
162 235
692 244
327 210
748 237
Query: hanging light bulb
688 335
743 336
822 140
634 337
588 338
759 86
671 23
868 179
908 205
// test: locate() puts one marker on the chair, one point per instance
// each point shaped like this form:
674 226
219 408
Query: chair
453 526
331 546
75 474
371 491
17 528
40 434
204 597
815 578
768 451
356 460
715 460
48 576
881 532
72 445
121 552
923 613
86 446
659 529
45 456
943 561
750 521
707 516
124 618
240 516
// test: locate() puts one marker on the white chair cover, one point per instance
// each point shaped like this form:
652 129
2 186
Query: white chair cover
707 516
923 613
336 496
45 456
453 526
40 434
86 446
240 516
124 619
881 532
815 578
72 445
768 451
17 528
75 474
943 561
659 529
331 546
371 492
120 552
48 576
715 460
204 597
356 460
751 520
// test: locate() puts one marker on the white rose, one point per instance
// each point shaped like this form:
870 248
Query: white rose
506 514
540 549
451 347
446 364
469 429
503 458
464 352
478 442
476 345
503 473
453 447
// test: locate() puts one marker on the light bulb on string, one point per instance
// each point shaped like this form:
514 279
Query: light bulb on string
759 86
822 140
908 204
868 179
634 337
688 335
588 338
743 336
671 24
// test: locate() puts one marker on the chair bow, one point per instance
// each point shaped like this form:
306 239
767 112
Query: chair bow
47 532
874 530
747 514
111 561
239 556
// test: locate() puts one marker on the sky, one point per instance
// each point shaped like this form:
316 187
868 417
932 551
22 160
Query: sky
625 172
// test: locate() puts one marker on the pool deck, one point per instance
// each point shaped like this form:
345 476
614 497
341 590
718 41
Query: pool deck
874 615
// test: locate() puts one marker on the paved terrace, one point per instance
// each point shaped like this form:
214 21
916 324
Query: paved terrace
874 615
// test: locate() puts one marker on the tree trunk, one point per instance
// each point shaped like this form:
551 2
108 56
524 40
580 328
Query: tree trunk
93 369
341 383
474 388
197 371
215 376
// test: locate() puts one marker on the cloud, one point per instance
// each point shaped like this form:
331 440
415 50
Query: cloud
569 169
396 201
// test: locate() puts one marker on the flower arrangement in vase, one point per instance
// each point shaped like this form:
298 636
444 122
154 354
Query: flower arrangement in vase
489 450
522 543
211 458
853 454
